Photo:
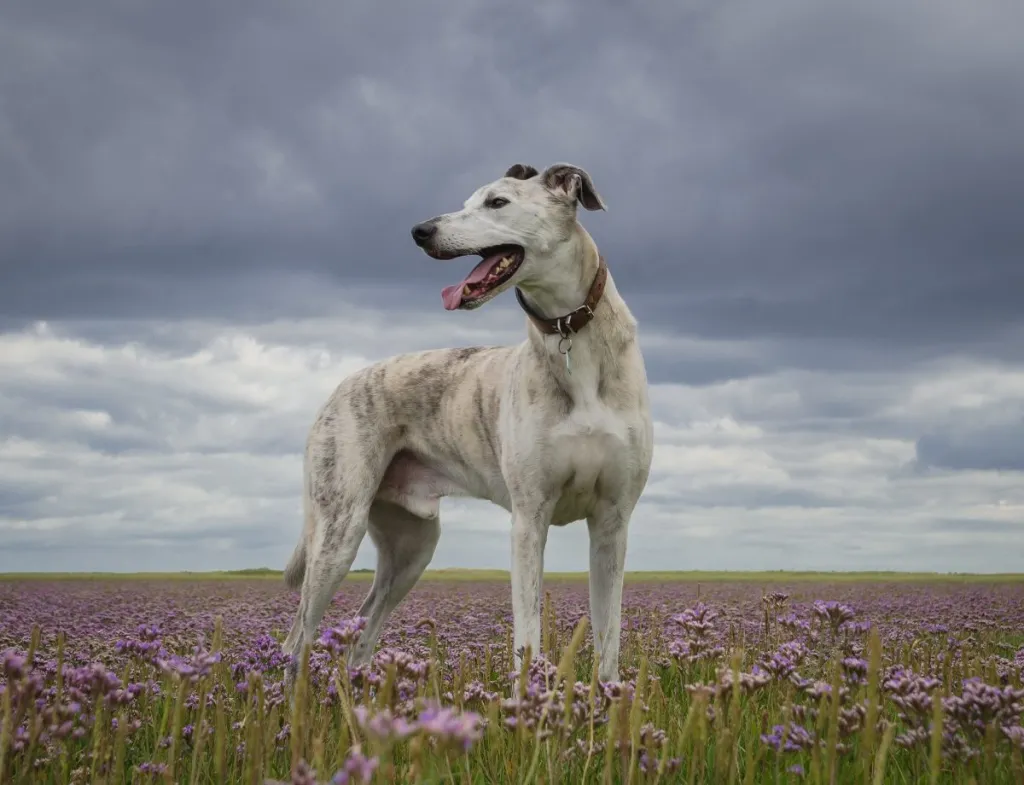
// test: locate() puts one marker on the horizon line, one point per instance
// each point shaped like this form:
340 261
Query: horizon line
469 573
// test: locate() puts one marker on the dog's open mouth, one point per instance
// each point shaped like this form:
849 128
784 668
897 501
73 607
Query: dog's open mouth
498 266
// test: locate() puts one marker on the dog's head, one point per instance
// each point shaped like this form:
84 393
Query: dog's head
516 224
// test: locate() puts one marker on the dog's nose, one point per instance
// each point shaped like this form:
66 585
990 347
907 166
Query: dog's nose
423 232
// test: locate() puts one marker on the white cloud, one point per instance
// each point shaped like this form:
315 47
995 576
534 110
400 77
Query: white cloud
181 450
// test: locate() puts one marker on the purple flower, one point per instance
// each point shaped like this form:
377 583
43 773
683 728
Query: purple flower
449 725
339 638
151 768
357 768
191 669
788 738
981 704
1015 735
698 620
749 682
406 666
794 624
383 724
782 663
855 670
832 613
13 665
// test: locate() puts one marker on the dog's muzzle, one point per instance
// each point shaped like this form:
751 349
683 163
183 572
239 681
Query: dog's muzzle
422 232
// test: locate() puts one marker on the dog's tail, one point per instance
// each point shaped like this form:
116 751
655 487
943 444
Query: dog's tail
296 569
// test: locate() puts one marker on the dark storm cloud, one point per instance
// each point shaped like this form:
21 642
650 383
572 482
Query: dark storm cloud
813 212
849 174
966 445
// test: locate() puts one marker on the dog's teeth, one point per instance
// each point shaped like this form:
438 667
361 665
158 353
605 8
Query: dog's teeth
465 290
505 263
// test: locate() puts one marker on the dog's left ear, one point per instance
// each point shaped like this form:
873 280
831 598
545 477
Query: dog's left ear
521 171
574 183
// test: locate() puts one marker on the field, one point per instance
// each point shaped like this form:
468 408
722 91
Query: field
773 677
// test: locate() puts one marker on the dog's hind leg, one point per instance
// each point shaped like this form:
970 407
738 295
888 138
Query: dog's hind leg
405 545
331 554
342 483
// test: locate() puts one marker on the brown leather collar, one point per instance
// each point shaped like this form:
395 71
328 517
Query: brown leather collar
574 321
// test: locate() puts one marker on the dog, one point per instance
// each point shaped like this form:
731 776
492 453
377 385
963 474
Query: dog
556 429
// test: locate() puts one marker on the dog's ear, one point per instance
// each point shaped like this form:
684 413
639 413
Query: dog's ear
574 183
521 172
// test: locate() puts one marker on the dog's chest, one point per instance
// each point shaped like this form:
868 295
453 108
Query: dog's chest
589 456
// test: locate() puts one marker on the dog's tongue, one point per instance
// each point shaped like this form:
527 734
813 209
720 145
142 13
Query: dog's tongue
452 295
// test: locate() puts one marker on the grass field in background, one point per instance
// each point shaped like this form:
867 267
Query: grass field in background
459 574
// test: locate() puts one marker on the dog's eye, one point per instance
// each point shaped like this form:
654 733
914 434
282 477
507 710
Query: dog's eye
496 202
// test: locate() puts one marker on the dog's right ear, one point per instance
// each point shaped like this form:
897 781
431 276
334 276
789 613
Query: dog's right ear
521 172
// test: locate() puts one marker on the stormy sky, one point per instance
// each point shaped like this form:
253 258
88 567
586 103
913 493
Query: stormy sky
814 211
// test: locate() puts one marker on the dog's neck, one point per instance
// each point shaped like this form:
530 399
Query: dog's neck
567 278
565 288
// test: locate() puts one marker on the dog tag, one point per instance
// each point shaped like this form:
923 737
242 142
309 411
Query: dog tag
566 352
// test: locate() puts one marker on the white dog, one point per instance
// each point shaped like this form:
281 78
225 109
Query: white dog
554 430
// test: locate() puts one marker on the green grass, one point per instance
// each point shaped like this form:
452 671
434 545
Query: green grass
459 574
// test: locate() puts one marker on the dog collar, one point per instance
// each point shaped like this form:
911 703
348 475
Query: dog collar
573 321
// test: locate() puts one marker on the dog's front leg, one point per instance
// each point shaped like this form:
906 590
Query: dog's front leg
529 536
608 528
